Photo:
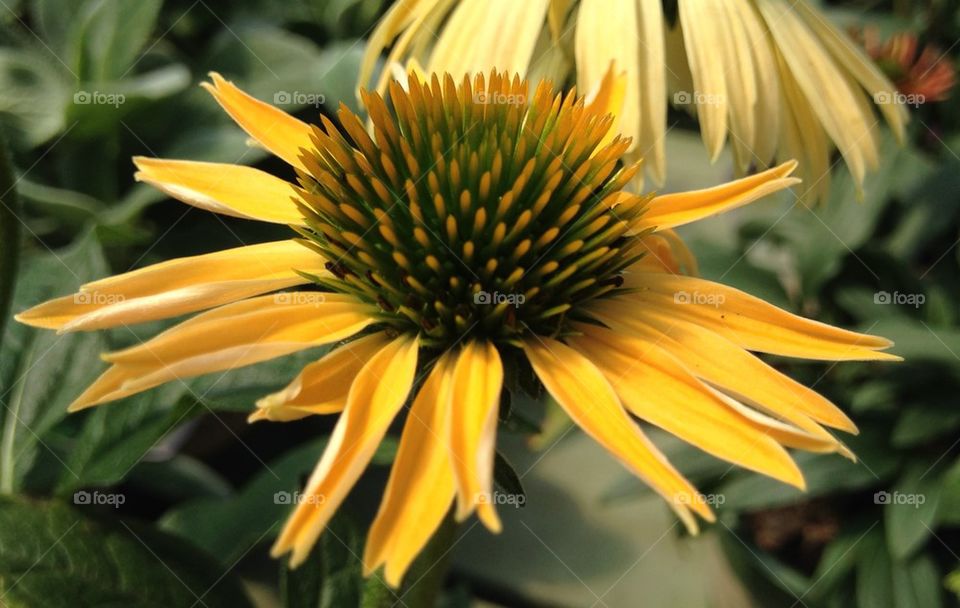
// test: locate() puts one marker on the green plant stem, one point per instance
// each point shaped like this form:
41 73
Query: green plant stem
9 235
423 581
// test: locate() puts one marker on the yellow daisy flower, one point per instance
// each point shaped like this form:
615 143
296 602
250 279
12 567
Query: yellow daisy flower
477 230
775 75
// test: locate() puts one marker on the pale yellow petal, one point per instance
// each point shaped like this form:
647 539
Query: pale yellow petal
745 320
589 399
654 387
323 386
226 189
860 66
653 89
702 39
277 131
177 287
421 487
376 396
484 34
606 40
677 209
232 336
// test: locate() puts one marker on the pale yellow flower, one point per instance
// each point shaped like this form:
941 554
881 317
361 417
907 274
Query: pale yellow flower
773 77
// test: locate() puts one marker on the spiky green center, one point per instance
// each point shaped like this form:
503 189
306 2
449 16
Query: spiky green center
471 210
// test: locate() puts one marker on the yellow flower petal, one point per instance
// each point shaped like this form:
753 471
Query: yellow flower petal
228 337
177 287
227 189
474 397
482 34
398 17
671 210
653 89
853 58
703 39
657 389
606 41
743 319
321 387
421 486
377 394
276 130
589 399
723 364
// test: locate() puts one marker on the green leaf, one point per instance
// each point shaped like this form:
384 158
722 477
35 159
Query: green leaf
35 93
113 34
179 478
874 573
915 341
255 512
917 584
51 556
9 236
42 372
507 479
332 576
910 510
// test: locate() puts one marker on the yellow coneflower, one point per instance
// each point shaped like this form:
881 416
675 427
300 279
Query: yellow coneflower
477 230
773 74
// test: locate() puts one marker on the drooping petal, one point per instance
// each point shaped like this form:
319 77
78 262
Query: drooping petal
276 130
223 188
376 395
723 364
421 487
481 34
474 397
653 89
606 40
398 17
321 387
743 319
657 389
671 210
702 39
853 58
589 399
177 287
235 335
